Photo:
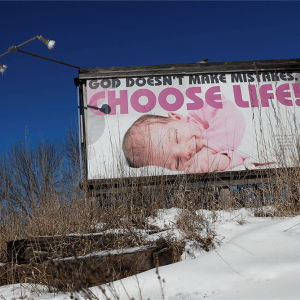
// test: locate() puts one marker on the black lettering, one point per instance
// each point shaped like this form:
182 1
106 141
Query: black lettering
93 84
283 76
180 79
105 83
245 77
167 80
222 78
214 78
194 79
205 79
150 81
140 81
116 83
250 77
157 80
266 77
290 77
273 77
236 78
129 82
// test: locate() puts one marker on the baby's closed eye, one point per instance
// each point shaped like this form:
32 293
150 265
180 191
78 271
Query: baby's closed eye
177 162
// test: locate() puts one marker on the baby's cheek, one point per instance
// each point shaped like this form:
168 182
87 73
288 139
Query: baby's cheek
190 166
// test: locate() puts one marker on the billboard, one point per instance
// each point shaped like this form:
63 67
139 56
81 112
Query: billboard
191 123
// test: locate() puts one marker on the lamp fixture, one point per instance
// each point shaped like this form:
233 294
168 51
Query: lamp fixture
3 68
49 43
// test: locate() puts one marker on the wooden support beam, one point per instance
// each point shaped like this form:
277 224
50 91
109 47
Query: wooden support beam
225 194
100 187
278 65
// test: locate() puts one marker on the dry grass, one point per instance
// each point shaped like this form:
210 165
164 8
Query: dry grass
40 196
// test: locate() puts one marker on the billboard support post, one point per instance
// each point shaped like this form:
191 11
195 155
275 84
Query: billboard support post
82 127
225 194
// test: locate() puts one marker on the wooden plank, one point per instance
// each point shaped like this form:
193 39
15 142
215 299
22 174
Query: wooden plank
3 274
96 269
284 65
163 257
124 185
235 182
41 248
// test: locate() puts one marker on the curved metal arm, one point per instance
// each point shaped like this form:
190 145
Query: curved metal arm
42 39
15 48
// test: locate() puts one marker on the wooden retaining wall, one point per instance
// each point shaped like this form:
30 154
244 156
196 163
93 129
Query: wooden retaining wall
55 261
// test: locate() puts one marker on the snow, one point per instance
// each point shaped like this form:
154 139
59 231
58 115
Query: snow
257 260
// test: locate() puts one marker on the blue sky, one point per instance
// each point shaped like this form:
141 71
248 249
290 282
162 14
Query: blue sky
40 96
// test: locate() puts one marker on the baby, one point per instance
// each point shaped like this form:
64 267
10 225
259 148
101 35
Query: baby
203 141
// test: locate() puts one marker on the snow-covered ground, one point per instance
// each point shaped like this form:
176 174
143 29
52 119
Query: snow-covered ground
257 260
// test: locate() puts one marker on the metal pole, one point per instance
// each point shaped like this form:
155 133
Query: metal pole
33 39
15 48
59 62
4 54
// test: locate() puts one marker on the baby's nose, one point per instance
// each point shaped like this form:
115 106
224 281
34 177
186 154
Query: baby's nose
187 152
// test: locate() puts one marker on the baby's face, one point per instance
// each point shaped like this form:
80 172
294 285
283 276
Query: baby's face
173 144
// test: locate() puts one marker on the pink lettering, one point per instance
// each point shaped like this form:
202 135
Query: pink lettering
211 97
162 99
95 101
282 94
191 94
139 107
238 97
253 95
297 93
122 101
264 95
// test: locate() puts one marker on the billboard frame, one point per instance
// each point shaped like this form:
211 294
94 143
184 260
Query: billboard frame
223 179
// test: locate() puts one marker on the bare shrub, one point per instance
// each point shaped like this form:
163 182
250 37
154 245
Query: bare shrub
195 227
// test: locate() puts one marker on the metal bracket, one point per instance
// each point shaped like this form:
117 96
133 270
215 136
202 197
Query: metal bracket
13 48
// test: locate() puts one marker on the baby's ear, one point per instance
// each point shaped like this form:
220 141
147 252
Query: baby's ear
178 117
